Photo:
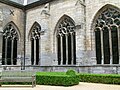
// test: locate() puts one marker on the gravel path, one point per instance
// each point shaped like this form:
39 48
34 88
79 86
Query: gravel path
81 86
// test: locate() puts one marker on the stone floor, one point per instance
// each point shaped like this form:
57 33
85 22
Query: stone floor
81 86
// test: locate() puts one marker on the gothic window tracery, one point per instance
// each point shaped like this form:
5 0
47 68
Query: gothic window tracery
66 44
35 42
107 28
9 49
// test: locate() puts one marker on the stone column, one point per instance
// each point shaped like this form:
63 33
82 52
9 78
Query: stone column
12 45
102 61
66 36
6 51
110 43
1 40
61 38
72 52
34 52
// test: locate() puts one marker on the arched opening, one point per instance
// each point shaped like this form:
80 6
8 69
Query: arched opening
107 34
66 42
35 43
9 49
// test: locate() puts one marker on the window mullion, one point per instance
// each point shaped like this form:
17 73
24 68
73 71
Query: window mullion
102 62
61 39
110 43
6 39
72 52
12 45
66 37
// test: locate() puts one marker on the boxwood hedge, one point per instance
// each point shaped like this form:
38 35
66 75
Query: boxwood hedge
100 78
71 78
57 79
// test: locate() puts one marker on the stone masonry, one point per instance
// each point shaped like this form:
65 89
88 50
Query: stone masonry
83 12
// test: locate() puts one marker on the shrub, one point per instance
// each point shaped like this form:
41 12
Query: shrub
100 78
53 78
57 79
70 72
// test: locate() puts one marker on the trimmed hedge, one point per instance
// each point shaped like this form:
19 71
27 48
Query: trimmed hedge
71 78
70 72
100 78
56 79
52 78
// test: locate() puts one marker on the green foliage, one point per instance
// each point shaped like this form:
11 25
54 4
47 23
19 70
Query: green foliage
70 78
57 79
52 78
70 72
51 73
100 78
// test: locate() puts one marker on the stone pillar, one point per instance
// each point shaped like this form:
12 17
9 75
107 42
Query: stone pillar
34 52
6 51
12 51
61 38
66 36
72 52
110 42
1 35
102 62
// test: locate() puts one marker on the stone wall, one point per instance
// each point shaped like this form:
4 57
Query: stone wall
92 9
56 10
48 15
6 16
83 14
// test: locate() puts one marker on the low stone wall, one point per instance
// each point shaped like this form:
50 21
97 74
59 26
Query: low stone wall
105 69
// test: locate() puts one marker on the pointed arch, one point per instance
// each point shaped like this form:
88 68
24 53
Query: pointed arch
35 35
15 27
106 29
31 29
65 40
10 43
100 11
61 19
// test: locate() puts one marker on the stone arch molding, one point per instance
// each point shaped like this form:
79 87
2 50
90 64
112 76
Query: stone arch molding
92 26
61 19
35 38
65 41
100 11
10 44
105 36
35 25
14 26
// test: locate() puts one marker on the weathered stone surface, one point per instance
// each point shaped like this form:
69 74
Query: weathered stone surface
83 14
